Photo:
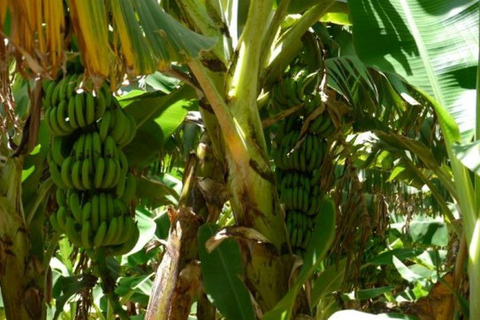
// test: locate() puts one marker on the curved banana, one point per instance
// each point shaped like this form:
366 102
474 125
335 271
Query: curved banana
66 172
61 217
85 235
86 178
47 100
79 112
57 154
79 148
72 84
130 188
72 118
111 232
62 92
119 126
76 175
72 233
54 223
119 236
96 147
105 125
55 94
60 197
75 206
101 104
100 235
99 173
88 148
86 212
61 117
55 173
110 207
109 147
90 108
127 246
110 170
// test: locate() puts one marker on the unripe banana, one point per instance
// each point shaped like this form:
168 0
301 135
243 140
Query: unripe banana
61 217
72 232
96 147
111 232
85 235
76 175
104 125
57 154
62 93
66 172
61 117
125 247
90 108
79 110
119 236
130 188
86 212
55 173
54 223
72 118
47 101
101 104
86 177
100 235
71 86
75 206
99 173
60 197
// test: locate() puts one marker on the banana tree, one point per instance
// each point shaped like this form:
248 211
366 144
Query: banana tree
444 69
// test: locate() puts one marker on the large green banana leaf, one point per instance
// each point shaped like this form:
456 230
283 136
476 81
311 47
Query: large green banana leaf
433 44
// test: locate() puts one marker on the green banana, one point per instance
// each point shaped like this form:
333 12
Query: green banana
119 236
102 207
90 108
76 175
61 217
87 243
55 173
62 92
66 172
126 246
111 232
96 147
79 112
55 94
119 125
79 148
71 86
110 169
47 101
86 212
99 173
72 118
56 150
100 235
61 113
75 206
104 125
86 178
101 104
130 188
54 223
72 233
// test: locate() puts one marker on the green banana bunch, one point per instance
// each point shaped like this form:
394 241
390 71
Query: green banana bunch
300 154
89 168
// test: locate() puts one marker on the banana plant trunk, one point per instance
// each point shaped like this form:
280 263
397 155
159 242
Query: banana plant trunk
20 277
251 183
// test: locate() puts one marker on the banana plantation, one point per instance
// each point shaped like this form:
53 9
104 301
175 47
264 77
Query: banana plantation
239 160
